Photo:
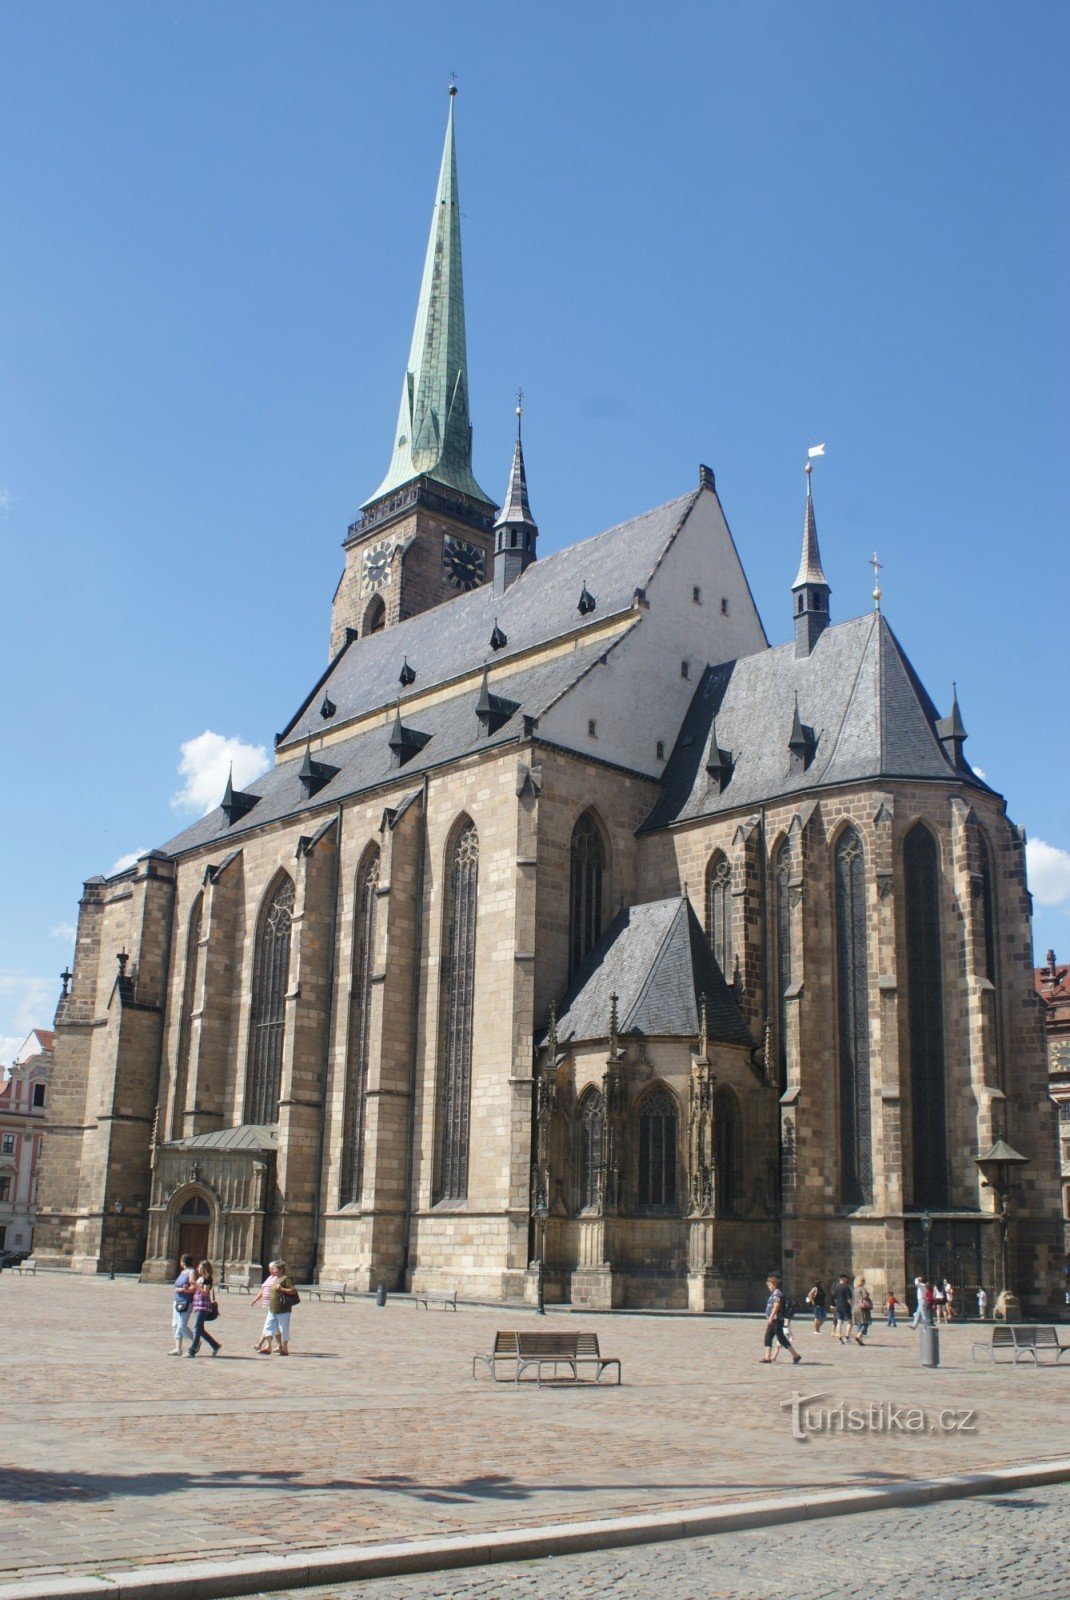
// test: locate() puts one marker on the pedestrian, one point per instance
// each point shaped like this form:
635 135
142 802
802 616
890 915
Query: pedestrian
889 1307
205 1309
842 1308
999 1310
818 1301
774 1321
262 1298
281 1301
180 1308
982 1304
862 1310
939 1301
920 1316
949 1300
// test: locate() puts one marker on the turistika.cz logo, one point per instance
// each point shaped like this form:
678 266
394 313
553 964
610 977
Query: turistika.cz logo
810 1418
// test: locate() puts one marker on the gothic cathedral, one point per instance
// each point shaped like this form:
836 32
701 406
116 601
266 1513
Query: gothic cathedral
577 934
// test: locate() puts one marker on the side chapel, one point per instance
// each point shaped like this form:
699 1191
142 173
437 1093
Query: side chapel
575 928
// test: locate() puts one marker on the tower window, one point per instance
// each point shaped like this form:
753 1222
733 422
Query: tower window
724 605
696 595
512 539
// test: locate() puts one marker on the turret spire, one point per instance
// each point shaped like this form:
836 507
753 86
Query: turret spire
434 433
811 587
515 532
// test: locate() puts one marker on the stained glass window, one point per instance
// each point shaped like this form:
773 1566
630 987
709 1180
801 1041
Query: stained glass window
782 893
925 1002
719 912
725 1151
656 1189
591 1148
271 971
185 1026
856 1152
459 982
586 882
360 1028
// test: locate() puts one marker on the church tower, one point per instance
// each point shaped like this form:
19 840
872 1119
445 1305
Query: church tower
426 534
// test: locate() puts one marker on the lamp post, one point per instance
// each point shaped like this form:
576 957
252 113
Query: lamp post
115 1237
540 1248
225 1213
927 1230
997 1168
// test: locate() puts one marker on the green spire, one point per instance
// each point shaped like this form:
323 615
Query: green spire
434 434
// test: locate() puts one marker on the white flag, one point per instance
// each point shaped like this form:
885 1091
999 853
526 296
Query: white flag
816 450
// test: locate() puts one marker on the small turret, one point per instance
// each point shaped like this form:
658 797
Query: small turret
951 732
811 587
515 532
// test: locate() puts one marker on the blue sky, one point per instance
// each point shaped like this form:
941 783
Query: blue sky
716 233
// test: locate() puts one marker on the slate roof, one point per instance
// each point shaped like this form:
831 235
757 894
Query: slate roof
655 958
366 761
857 690
453 638
248 1136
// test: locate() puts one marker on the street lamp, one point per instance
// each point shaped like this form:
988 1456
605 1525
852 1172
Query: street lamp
927 1230
540 1248
225 1213
115 1237
997 1173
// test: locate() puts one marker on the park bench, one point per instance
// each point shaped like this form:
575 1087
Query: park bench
1022 1340
242 1283
29 1267
446 1298
337 1291
517 1352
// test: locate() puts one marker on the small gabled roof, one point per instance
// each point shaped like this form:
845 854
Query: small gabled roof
655 958
247 1136
871 718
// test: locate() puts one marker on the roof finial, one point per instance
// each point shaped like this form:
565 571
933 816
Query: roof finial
453 84
877 568
519 411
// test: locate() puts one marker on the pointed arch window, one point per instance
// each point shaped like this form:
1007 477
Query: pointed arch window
374 616
360 1029
726 1152
591 1151
587 866
719 912
271 972
988 916
856 1148
925 1005
656 1189
782 911
185 1027
459 983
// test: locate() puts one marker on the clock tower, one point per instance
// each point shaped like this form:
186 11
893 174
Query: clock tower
427 533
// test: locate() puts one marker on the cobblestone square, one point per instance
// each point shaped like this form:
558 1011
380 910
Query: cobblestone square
374 1429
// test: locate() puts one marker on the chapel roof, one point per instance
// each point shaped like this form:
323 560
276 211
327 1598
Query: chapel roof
247 1136
657 961
869 714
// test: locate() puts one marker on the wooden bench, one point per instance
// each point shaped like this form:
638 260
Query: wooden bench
518 1352
27 1267
337 1291
1021 1341
446 1298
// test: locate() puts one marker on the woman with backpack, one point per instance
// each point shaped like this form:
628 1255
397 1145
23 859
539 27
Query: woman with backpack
281 1300
817 1300
205 1309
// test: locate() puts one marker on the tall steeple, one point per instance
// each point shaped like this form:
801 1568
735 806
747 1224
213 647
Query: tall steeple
515 532
811 587
434 434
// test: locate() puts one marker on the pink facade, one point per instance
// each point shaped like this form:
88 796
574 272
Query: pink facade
23 1109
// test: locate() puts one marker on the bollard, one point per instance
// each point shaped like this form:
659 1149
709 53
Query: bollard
380 1295
929 1342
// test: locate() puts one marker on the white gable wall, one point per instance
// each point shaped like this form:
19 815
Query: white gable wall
640 695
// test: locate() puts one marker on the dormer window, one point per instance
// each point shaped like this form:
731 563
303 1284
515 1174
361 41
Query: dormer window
660 748
685 669
696 595
724 605
592 728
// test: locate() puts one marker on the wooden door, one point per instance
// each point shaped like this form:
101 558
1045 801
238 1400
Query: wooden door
193 1240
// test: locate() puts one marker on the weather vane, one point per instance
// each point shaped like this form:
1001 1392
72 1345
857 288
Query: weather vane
814 450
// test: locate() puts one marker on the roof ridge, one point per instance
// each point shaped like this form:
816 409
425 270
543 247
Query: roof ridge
648 981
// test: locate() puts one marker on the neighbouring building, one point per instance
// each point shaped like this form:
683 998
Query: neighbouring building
575 924
23 1111
1053 987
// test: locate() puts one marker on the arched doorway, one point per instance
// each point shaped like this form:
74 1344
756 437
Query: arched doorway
194 1221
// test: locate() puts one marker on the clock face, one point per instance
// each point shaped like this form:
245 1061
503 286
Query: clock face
376 568
464 565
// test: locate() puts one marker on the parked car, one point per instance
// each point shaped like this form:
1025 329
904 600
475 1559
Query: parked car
12 1258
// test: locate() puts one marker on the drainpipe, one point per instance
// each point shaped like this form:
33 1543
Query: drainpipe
328 1023
414 1061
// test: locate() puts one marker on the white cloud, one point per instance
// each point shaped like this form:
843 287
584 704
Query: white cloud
125 861
204 764
63 930
981 773
1049 872
5 501
25 1002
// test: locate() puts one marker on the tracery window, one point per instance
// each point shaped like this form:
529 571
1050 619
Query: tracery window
459 983
856 1152
592 1123
359 1028
782 893
725 1151
586 883
185 1026
719 912
925 1003
271 972
656 1188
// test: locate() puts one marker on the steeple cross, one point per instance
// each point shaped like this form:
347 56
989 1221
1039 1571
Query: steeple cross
878 567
